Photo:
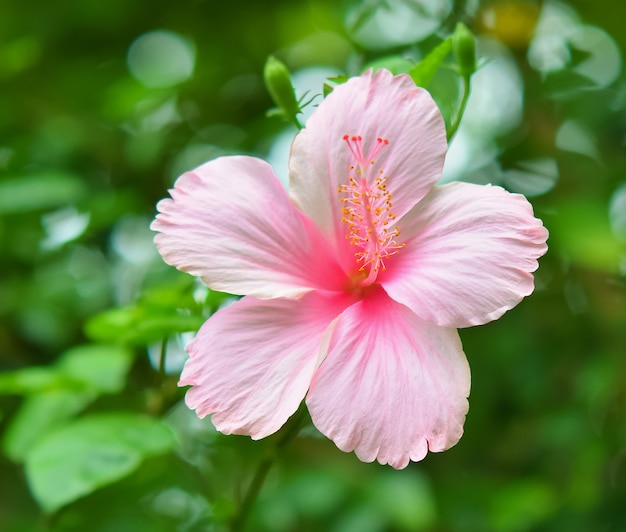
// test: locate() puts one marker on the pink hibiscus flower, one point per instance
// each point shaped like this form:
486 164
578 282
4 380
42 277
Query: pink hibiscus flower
354 283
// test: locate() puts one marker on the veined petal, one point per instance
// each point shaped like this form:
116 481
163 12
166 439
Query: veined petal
251 363
392 386
470 251
410 153
230 222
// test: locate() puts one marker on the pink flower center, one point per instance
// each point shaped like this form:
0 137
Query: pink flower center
366 208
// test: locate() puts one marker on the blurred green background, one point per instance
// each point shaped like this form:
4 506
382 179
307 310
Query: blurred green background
104 104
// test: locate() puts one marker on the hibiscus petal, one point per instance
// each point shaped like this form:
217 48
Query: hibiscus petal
469 254
230 222
392 386
372 106
251 363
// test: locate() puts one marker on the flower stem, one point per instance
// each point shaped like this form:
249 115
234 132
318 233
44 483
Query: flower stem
287 434
260 475
457 121
163 356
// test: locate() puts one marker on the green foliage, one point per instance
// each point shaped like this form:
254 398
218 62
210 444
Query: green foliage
423 73
38 414
138 325
90 453
163 311
56 393
588 241
39 191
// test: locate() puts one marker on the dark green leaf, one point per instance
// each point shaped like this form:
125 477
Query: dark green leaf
564 84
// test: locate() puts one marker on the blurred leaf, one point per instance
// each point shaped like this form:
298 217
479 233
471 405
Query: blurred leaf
423 73
522 504
566 83
61 391
39 191
108 206
405 498
365 12
174 294
583 230
315 493
396 64
533 177
90 453
139 325
99 368
29 380
37 415
360 519
446 91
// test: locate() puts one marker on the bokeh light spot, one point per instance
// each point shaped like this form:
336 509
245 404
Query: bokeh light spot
63 226
495 104
603 62
548 50
573 137
561 41
161 58
393 23
617 213
533 177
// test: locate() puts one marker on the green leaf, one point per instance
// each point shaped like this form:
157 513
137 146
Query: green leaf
138 325
446 91
564 84
29 380
177 293
523 504
588 240
99 368
533 177
423 73
59 392
37 415
90 453
40 191
333 82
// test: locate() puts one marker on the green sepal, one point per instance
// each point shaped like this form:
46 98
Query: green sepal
278 82
464 47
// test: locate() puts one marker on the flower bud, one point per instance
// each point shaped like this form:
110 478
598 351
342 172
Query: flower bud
464 47
278 83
